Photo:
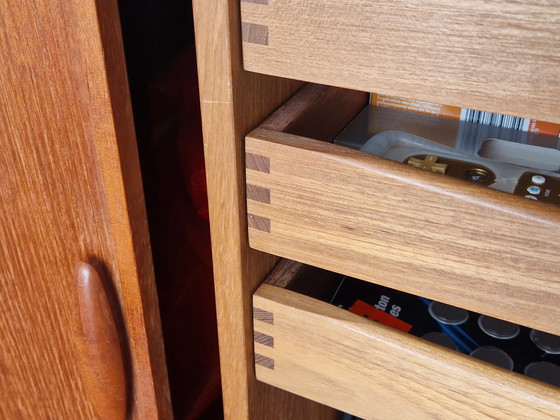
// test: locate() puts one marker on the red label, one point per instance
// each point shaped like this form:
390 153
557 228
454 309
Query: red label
363 309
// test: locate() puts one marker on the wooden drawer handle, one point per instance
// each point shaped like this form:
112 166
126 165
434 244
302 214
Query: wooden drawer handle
102 365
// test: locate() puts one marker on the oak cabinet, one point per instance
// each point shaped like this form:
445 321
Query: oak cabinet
275 191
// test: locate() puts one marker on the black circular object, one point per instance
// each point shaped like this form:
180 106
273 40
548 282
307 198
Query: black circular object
544 371
477 175
493 355
547 342
498 328
447 314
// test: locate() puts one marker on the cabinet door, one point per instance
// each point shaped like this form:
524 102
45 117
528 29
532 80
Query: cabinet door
70 192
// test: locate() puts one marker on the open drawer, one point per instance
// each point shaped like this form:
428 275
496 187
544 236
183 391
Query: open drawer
498 56
382 221
340 359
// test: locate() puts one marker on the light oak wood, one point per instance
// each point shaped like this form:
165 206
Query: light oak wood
102 366
330 42
70 191
500 56
233 102
378 220
332 356
318 111
304 279
284 273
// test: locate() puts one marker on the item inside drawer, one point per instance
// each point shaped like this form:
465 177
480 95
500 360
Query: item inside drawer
505 344
500 157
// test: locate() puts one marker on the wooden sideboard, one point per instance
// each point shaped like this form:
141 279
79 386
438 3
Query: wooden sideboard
275 191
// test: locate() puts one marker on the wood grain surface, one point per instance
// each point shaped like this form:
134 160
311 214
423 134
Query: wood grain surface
498 56
102 366
433 236
112 127
318 111
284 273
70 191
305 279
365 368
232 103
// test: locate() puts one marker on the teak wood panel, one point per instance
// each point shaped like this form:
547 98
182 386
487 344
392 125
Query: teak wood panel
70 191
110 110
329 355
499 56
382 221
232 103
102 370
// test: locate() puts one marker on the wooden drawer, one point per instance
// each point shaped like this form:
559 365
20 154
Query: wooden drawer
381 221
500 56
340 359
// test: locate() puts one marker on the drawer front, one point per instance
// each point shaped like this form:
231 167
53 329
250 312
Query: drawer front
499 56
337 358
377 220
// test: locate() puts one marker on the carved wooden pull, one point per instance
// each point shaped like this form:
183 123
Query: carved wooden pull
102 366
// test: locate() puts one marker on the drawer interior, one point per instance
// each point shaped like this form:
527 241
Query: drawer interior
335 357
